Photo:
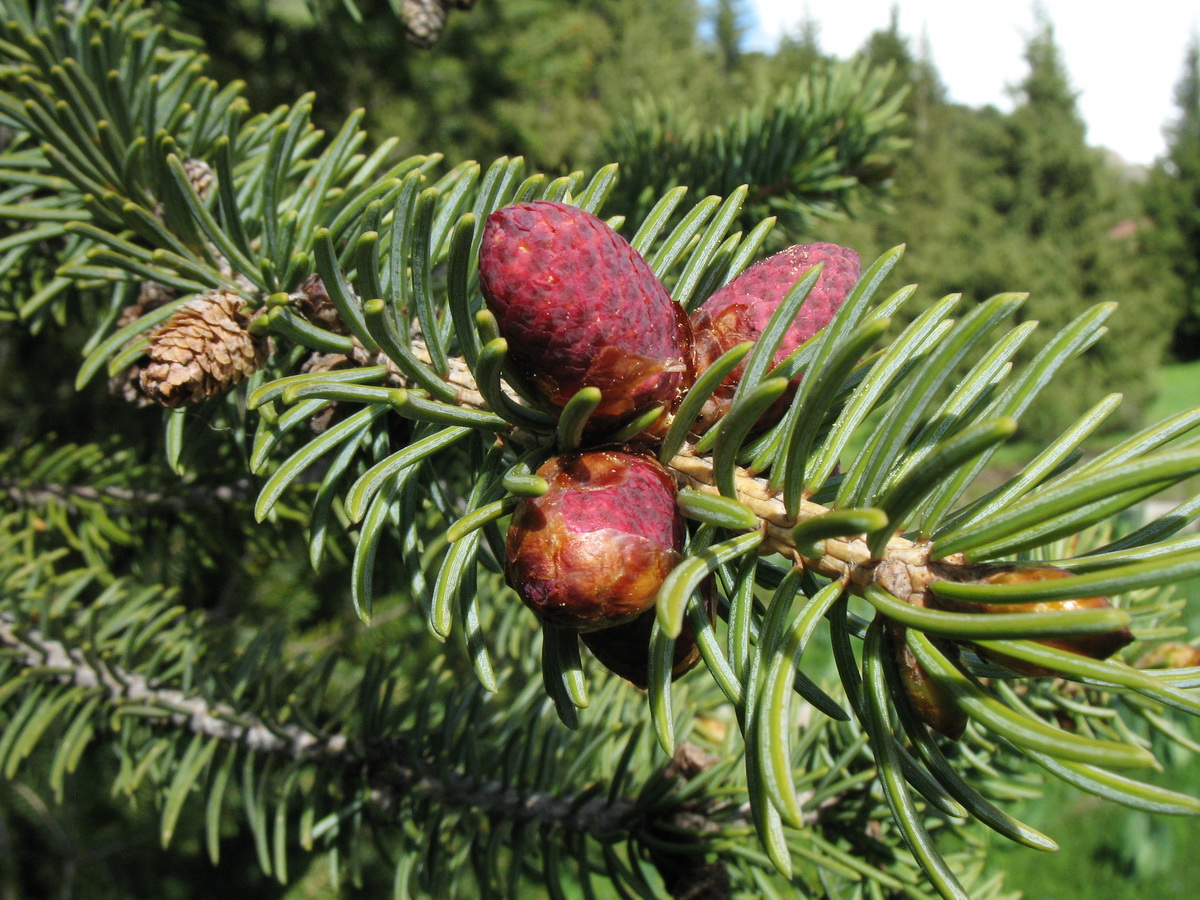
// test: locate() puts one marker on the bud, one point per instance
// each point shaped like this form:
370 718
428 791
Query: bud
593 550
580 308
739 312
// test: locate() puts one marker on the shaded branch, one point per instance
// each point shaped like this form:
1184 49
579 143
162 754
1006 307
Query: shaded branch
391 781
198 715
23 494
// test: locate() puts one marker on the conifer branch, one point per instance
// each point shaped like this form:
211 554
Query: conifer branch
390 779
190 712
354 287
179 499
848 559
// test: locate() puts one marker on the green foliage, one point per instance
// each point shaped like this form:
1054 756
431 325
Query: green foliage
579 85
538 78
806 153
403 714
1173 202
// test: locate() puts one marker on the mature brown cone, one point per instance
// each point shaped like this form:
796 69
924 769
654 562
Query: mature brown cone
202 350
127 384
201 176
424 20
594 549
1095 646
312 301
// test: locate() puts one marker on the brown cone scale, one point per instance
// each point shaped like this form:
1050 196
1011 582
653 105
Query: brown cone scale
624 649
203 349
932 703
593 550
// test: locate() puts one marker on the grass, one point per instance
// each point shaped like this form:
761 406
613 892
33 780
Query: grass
1107 852
1178 389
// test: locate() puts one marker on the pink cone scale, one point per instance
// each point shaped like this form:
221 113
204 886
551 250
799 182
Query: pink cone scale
579 308
740 310
593 550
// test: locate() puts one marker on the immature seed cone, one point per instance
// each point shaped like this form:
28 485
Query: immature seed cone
580 308
1095 646
593 550
932 703
624 649
739 312
202 350
1171 655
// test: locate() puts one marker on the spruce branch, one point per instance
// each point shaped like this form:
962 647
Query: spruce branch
22 493
809 151
396 772
395 769
388 777
390 392
905 567
190 712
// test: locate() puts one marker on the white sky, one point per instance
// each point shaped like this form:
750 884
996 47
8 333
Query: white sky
1123 61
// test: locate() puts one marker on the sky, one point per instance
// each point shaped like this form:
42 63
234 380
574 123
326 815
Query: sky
1124 61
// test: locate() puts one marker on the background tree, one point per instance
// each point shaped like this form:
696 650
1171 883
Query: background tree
1173 202
988 198
539 78
729 32
1062 201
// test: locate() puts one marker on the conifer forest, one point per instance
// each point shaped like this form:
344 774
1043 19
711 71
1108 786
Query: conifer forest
547 449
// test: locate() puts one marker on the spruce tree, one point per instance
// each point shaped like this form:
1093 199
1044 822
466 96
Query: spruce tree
728 32
1061 200
988 201
1173 201
258 594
